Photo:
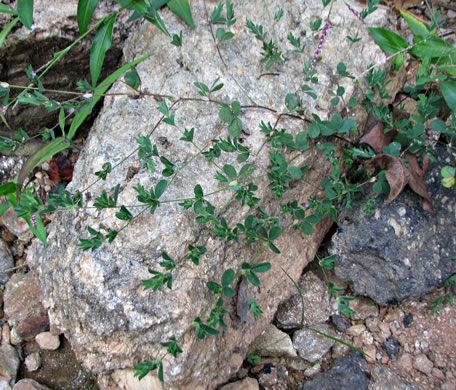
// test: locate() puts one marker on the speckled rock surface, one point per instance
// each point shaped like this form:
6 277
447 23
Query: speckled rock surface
401 251
96 298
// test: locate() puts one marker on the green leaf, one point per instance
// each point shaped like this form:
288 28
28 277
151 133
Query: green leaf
214 287
153 17
25 12
6 31
314 130
307 228
274 233
225 114
434 47
251 276
198 190
301 141
8 188
160 188
292 101
228 292
7 9
230 171
62 120
295 172
80 116
39 231
86 9
235 128
448 171
273 247
246 170
182 9
228 277
236 108
448 89
262 267
132 78
416 26
389 41
100 45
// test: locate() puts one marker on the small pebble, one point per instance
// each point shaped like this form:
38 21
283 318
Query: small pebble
46 340
391 347
408 319
33 361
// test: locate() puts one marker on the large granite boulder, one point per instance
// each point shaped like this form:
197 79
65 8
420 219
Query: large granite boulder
400 251
96 297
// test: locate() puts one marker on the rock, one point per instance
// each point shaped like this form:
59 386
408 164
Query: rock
423 364
15 225
316 304
125 379
383 378
346 373
46 340
6 262
15 339
33 361
23 306
274 378
340 322
408 319
9 364
59 369
274 343
54 28
405 362
312 346
29 384
391 347
371 353
96 297
401 251
356 330
364 308
245 384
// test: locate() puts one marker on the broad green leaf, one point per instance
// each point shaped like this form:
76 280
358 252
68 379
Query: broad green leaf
236 107
314 130
230 171
160 188
251 276
434 47
228 292
295 172
225 114
214 287
25 12
228 277
416 25
198 190
389 41
80 117
6 9
8 188
6 30
446 171
86 9
132 78
274 233
100 45
235 128
182 9
262 267
62 120
448 89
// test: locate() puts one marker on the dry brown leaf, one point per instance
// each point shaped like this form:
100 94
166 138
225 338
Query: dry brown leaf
375 136
416 180
396 173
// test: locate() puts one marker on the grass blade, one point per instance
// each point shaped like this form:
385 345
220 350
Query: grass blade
25 12
100 45
6 30
182 9
86 9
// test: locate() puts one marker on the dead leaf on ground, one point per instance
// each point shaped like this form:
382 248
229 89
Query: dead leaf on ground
375 136
416 180
396 173
399 173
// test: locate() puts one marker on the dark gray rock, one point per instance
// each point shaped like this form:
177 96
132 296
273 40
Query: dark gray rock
401 251
340 323
391 347
347 373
